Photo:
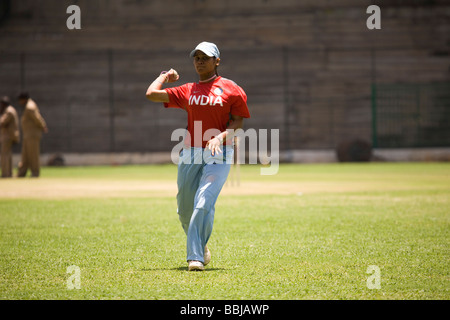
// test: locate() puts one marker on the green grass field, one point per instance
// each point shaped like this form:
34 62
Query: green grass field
309 232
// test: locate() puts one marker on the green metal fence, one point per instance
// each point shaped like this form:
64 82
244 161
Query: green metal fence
411 115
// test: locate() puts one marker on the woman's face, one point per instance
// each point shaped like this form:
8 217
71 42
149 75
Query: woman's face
205 65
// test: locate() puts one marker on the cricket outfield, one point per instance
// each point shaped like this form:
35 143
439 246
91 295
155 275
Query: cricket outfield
312 231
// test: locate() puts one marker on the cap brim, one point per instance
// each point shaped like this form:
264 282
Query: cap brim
193 52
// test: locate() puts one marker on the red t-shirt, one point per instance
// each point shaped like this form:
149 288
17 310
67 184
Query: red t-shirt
212 104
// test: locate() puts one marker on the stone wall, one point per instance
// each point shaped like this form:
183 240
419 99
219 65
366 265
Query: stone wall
307 66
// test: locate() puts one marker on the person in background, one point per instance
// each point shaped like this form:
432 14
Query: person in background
33 125
10 135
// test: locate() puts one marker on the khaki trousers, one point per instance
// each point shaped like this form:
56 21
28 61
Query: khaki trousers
6 158
30 157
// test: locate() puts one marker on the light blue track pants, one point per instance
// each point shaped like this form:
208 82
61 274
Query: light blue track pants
201 177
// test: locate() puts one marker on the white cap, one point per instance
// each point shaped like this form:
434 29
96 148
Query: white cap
208 48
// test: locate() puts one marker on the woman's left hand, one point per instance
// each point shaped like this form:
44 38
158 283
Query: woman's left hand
214 145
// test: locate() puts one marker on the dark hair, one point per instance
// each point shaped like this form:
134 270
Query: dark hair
23 95
5 100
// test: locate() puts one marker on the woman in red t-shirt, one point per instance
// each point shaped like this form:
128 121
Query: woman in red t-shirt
216 107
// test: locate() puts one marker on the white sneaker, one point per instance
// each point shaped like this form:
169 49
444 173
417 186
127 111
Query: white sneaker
196 266
207 256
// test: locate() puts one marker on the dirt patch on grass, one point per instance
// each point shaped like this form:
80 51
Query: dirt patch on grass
60 188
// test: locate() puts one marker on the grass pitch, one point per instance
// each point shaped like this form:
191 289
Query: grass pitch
309 232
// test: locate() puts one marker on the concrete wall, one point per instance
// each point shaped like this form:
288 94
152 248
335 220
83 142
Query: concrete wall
307 66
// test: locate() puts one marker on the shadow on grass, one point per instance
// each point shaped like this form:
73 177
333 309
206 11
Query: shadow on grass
179 269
